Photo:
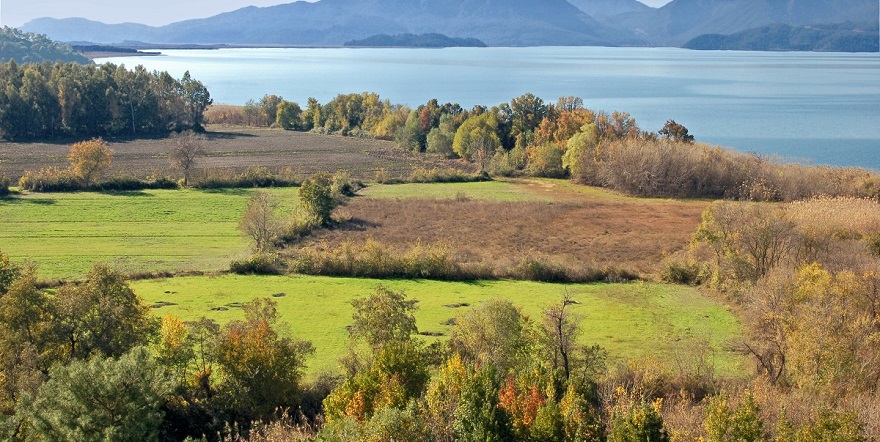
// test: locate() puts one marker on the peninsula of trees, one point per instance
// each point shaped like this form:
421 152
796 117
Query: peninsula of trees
431 40
25 47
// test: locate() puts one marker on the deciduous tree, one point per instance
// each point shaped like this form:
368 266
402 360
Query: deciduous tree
89 159
187 148
316 197
261 222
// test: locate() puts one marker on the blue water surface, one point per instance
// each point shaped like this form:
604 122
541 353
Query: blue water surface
819 108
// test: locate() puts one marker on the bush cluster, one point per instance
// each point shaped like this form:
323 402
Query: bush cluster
257 264
54 179
254 176
4 185
661 167
373 260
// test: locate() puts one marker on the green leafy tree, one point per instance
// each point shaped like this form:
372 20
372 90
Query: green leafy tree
580 156
392 370
494 332
262 369
676 132
741 423
636 421
9 272
546 161
101 316
269 108
26 335
479 416
317 199
102 399
196 99
288 115
477 139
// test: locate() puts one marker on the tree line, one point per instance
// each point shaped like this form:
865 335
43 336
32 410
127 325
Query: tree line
45 101
528 136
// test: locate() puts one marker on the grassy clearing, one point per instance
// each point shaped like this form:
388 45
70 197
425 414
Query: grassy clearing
152 230
630 320
485 190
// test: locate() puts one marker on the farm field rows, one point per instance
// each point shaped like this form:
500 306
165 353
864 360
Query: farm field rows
633 321
232 147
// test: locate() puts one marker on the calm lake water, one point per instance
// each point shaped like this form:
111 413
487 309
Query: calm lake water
821 108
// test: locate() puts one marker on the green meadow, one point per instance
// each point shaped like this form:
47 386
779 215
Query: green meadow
632 321
167 230
482 190
144 231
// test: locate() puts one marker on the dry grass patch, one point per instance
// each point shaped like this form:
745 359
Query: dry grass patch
575 231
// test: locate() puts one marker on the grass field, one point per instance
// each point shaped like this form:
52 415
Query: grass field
152 230
489 223
630 320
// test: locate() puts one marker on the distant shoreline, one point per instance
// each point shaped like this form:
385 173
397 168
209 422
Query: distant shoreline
111 54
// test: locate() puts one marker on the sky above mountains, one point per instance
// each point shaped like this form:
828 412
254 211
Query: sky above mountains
154 12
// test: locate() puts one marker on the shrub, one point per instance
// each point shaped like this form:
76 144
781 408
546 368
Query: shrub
374 260
4 185
546 161
532 269
688 272
316 197
449 175
636 420
50 179
254 176
257 264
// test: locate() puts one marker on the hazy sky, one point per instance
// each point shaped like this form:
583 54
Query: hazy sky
151 12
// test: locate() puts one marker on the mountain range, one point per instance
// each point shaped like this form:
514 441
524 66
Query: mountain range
495 22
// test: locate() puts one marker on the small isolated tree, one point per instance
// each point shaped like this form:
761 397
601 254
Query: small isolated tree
89 159
260 221
316 197
676 132
187 148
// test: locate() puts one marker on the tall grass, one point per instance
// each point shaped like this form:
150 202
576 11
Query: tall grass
664 168
375 260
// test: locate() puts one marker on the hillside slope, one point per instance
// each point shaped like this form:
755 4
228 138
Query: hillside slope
333 22
681 20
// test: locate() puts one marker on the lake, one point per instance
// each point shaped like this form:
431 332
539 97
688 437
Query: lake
820 108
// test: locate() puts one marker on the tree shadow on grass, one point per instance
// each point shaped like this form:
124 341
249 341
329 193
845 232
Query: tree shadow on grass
229 135
125 193
237 191
11 199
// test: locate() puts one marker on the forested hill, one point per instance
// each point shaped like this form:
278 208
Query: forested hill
25 47
334 22
497 23
846 37
681 20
